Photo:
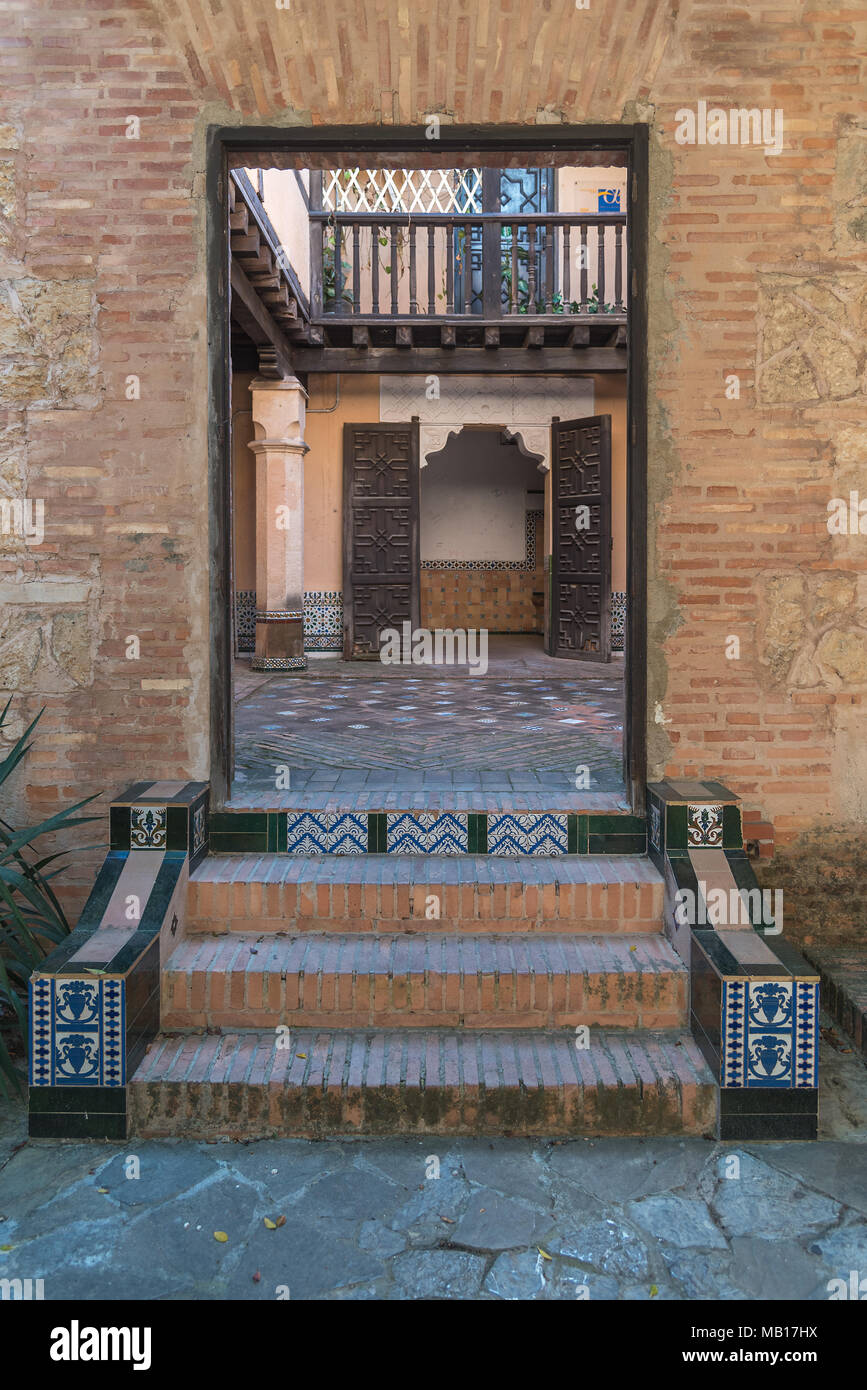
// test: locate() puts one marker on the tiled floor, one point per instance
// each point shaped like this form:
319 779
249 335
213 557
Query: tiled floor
528 725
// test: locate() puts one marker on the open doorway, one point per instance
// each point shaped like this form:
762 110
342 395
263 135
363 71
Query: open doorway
484 559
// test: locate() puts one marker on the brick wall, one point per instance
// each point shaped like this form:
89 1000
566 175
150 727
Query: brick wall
757 269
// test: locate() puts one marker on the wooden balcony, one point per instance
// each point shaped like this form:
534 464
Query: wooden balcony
458 281
400 292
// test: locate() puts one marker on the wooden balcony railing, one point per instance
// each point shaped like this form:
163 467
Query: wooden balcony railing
373 267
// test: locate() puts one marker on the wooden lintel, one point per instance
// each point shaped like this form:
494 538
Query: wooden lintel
432 360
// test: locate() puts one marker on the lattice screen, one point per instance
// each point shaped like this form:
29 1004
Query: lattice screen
402 190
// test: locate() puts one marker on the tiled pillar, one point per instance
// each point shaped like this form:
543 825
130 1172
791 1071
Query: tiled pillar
278 418
754 1008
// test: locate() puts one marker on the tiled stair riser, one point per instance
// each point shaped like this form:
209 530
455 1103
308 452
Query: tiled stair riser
95 1000
754 999
512 833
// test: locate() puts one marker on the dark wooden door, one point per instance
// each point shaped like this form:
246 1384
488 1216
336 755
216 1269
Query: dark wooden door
581 569
380 534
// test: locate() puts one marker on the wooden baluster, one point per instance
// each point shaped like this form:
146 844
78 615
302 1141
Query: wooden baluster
549 268
600 265
567 268
531 267
374 270
618 267
431 278
467 270
338 267
583 265
413 302
450 268
356 269
515 268
394 268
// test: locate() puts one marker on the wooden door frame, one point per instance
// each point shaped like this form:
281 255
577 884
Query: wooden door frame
405 142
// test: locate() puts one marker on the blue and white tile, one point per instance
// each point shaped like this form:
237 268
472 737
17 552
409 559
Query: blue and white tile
704 827
426 832
806 1033
514 833
326 832
76 1031
770 1022
734 997
147 827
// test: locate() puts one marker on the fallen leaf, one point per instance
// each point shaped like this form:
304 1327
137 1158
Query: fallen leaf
448 1220
301 1054
7 1247
221 1237
544 1253
256 1277
653 1291
272 1225
281 1221
102 1189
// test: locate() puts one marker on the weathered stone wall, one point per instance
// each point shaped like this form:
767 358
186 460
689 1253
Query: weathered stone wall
757 269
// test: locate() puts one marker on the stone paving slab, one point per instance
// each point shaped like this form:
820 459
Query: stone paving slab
433 1218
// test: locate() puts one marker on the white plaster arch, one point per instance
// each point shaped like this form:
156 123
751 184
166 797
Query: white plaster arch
521 406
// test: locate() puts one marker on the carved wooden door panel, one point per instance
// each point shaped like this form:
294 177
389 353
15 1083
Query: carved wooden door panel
581 571
380 534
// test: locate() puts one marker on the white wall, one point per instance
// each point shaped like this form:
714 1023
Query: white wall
474 499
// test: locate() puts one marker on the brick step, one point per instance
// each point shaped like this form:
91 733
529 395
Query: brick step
365 981
422 1082
391 893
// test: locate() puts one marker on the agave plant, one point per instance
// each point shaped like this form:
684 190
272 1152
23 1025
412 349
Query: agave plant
32 920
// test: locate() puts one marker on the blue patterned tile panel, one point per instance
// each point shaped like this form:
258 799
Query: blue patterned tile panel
515 833
769 1033
77 1031
326 832
427 832
806 1034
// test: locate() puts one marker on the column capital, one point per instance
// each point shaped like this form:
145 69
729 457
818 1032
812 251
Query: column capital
279 410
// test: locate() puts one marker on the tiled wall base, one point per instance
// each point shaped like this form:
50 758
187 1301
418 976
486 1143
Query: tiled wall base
432 832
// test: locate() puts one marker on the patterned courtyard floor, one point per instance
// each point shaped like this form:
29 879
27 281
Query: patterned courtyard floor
508 732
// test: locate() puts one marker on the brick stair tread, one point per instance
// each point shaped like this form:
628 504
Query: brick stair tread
422 1081
366 953
426 869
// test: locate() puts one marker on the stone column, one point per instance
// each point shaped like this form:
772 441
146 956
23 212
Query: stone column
278 418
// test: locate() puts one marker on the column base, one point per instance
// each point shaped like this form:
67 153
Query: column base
279 641
278 663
